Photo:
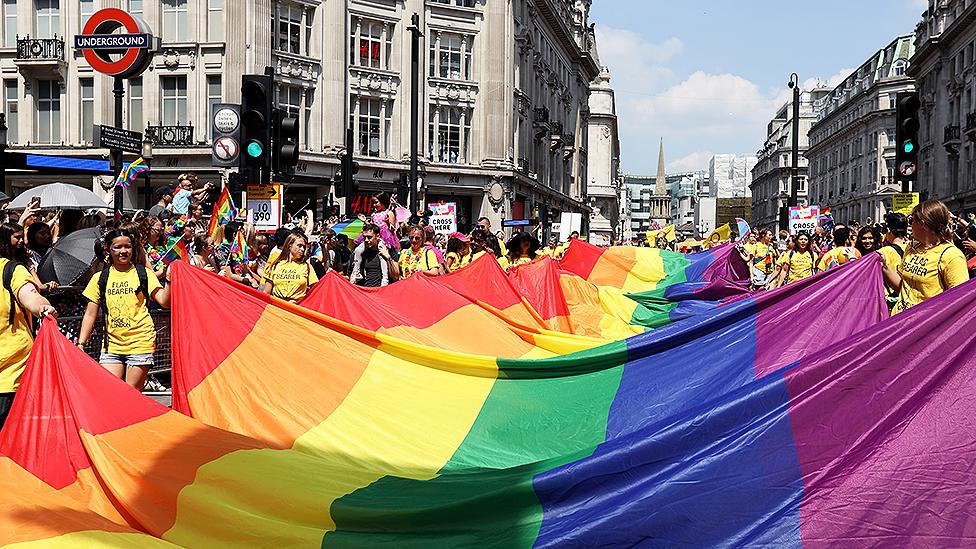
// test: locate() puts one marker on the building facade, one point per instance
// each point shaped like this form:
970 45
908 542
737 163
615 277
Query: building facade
851 154
684 188
503 114
647 207
730 175
944 67
603 165
771 177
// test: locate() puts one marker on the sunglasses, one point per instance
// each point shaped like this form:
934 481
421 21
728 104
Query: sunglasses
415 238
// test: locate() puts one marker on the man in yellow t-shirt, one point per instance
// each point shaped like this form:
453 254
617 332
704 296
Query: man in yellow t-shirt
841 253
16 338
796 264
291 280
130 330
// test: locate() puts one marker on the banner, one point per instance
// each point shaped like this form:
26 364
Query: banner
804 218
444 219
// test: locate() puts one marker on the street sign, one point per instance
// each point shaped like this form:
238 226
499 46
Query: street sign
112 31
516 222
904 203
225 149
264 206
110 137
225 133
227 119
804 219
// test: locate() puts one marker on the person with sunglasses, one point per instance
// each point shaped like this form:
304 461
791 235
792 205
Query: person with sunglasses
418 258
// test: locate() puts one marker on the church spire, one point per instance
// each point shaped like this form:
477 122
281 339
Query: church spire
660 182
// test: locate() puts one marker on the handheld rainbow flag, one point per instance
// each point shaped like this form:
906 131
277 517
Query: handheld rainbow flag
131 172
238 253
224 212
176 251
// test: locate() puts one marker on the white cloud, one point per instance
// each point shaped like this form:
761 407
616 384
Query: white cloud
695 161
635 63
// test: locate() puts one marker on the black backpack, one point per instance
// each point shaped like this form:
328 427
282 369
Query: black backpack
103 286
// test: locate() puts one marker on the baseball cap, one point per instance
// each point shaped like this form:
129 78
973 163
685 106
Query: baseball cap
163 191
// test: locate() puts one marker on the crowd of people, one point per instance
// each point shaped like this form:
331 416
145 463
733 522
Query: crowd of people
924 254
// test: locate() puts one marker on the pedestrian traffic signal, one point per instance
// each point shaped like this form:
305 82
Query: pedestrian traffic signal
256 122
284 155
907 107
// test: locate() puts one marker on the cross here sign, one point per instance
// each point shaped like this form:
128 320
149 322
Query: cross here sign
444 218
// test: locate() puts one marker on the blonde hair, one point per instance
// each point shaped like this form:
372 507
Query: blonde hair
285 254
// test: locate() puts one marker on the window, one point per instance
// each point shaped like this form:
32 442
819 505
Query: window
375 44
10 102
214 95
373 127
309 100
48 111
86 8
87 109
290 99
288 28
9 23
135 104
215 20
450 57
449 134
48 18
899 67
135 7
175 23
461 3
174 100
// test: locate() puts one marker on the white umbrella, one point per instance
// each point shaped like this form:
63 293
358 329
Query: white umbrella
59 195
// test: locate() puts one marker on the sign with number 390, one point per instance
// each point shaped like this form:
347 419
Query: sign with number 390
264 206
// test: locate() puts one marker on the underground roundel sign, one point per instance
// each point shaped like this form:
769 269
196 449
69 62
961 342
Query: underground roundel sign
116 43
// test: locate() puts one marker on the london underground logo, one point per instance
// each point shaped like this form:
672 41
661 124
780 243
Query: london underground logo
116 43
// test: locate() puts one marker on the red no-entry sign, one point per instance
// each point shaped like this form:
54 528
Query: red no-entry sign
113 32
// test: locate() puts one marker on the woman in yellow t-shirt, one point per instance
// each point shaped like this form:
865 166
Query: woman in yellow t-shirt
457 252
122 292
290 276
418 258
798 263
932 263
522 248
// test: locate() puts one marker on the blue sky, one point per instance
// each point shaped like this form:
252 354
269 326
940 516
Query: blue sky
707 75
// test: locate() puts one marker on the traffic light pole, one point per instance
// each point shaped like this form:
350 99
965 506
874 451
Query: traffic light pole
795 171
414 110
118 90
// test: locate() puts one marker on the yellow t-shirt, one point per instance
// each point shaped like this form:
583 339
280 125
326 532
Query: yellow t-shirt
290 281
15 340
800 265
892 259
503 261
836 257
458 261
412 263
927 273
130 328
520 260
762 256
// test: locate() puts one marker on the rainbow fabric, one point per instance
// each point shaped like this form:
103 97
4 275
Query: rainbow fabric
131 171
747 425
224 212
238 253
351 229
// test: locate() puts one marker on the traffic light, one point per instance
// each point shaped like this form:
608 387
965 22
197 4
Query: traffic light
907 106
348 167
284 154
256 121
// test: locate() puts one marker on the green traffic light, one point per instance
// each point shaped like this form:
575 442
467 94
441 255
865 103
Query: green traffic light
254 149
908 147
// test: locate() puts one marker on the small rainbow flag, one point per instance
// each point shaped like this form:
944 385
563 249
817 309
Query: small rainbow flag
224 212
238 253
130 172
176 251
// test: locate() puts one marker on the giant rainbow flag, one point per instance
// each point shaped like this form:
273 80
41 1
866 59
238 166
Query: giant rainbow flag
798 416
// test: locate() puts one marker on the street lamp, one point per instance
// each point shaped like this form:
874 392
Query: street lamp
147 154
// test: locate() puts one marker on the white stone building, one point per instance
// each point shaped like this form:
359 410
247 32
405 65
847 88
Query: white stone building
603 166
503 112
944 67
730 175
852 145
771 177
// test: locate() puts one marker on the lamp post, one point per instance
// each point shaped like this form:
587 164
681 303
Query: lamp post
794 84
147 154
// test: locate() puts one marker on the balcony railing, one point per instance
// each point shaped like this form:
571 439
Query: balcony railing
40 48
170 136
951 133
